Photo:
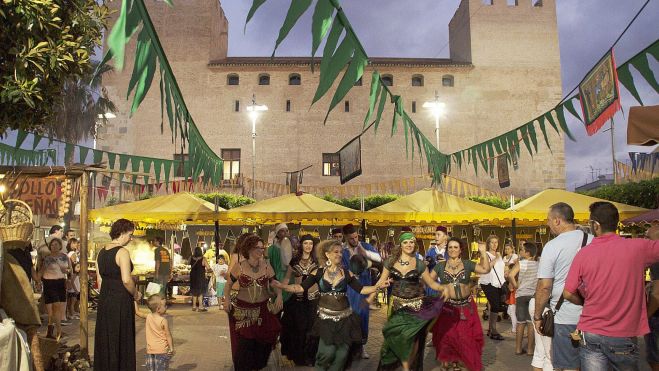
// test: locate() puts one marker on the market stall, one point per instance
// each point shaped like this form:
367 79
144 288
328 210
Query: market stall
305 209
430 206
649 218
533 210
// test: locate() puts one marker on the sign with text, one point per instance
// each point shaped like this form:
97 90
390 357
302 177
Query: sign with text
41 195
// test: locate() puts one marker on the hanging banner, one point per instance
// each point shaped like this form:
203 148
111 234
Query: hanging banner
350 160
502 171
599 94
294 181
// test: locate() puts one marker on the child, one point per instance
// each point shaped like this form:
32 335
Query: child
159 343
220 269
73 294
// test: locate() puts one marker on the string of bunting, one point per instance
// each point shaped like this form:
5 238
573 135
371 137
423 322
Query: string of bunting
329 22
626 173
148 54
16 156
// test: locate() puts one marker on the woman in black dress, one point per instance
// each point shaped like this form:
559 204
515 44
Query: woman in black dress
114 339
300 309
198 284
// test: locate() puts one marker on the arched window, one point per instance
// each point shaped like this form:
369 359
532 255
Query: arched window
358 82
388 80
447 80
294 79
264 79
233 79
417 80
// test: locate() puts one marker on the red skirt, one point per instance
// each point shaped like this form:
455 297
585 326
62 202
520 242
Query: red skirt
458 336
255 331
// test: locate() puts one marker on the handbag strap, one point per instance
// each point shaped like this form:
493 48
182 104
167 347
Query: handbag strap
494 270
561 299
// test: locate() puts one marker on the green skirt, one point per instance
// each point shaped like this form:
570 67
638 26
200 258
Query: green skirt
401 332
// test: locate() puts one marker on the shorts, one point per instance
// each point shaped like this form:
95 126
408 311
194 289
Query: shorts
157 362
219 289
522 309
652 341
54 291
563 354
73 295
493 295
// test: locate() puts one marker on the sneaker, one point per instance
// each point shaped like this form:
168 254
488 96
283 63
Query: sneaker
65 323
365 355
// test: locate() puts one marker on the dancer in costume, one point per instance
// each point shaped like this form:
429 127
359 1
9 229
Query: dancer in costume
457 334
351 248
234 259
300 310
336 324
410 312
255 327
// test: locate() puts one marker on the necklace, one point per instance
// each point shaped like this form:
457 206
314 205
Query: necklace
256 268
401 262
453 266
332 275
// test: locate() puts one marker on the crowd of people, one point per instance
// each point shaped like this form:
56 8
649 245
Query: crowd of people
312 297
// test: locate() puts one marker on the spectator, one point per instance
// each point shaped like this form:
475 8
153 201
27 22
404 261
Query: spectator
652 339
159 343
69 234
337 234
605 277
491 285
509 260
164 266
114 346
557 257
53 274
56 231
198 283
524 288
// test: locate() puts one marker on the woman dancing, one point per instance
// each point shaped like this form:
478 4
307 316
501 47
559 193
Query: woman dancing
336 325
457 333
256 328
410 311
300 310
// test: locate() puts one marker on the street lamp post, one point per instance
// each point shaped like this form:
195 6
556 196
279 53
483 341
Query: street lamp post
437 109
254 110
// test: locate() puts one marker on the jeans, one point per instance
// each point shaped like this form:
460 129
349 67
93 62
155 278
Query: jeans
600 352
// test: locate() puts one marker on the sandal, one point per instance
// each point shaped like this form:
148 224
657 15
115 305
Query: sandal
488 332
497 336
194 309
520 353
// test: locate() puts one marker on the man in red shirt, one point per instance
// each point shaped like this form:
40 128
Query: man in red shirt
607 278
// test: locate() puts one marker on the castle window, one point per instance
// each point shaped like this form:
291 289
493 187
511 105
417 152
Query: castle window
388 80
182 165
288 106
512 3
236 106
331 164
537 3
233 79
447 80
294 79
487 2
417 80
264 79
358 82
347 106
413 106
231 157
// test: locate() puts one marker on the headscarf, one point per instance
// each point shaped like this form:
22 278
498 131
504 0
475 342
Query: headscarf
306 237
280 226
406 236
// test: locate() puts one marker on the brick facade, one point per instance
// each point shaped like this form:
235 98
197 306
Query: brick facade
504 63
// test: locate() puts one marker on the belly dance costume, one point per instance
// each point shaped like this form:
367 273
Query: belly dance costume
336 325
256 329
299 314
457 333
410 313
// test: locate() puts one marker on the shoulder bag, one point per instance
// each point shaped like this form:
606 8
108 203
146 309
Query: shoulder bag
547 322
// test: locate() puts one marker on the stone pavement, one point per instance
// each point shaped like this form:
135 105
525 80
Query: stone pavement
202 343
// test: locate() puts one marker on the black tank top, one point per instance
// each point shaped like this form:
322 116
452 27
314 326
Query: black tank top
110 272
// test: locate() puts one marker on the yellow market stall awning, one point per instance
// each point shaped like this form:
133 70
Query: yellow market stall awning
534 209
182 207
305 209
430 206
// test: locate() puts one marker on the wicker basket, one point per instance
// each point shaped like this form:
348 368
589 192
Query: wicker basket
18 231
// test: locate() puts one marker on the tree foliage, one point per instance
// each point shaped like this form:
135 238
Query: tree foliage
43 44
226 200
642 194
370 202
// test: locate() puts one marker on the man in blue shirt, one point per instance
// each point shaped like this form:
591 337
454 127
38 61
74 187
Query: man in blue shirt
437 252
351 247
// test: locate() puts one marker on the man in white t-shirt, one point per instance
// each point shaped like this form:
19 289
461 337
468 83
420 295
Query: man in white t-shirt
555 263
